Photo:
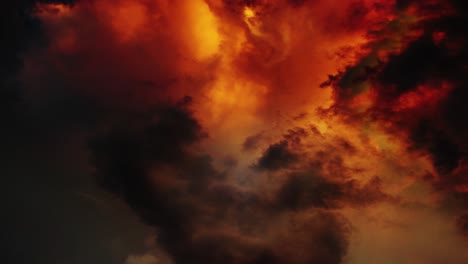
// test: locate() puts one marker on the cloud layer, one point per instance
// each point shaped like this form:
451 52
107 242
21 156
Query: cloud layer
268 131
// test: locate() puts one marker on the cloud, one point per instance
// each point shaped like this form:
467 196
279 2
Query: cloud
221 130
142 259
200 215
277 156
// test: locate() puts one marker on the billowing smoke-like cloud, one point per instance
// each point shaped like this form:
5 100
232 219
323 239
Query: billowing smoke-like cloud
269 131
203 216
416 91
277 156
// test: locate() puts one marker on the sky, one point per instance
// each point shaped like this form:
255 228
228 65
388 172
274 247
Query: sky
234 131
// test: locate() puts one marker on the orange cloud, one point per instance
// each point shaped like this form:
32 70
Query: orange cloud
344 150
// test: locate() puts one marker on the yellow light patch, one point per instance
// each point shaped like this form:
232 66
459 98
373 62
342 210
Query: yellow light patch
249 12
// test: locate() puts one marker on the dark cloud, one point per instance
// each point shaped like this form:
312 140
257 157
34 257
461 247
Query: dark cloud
277 156
428 73
125 157
46 220
294 136
308 189
421 61
18 30
253 142
445 153
424 62
201 217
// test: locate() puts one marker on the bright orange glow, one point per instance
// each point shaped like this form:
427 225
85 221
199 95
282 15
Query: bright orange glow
204 36
248 12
